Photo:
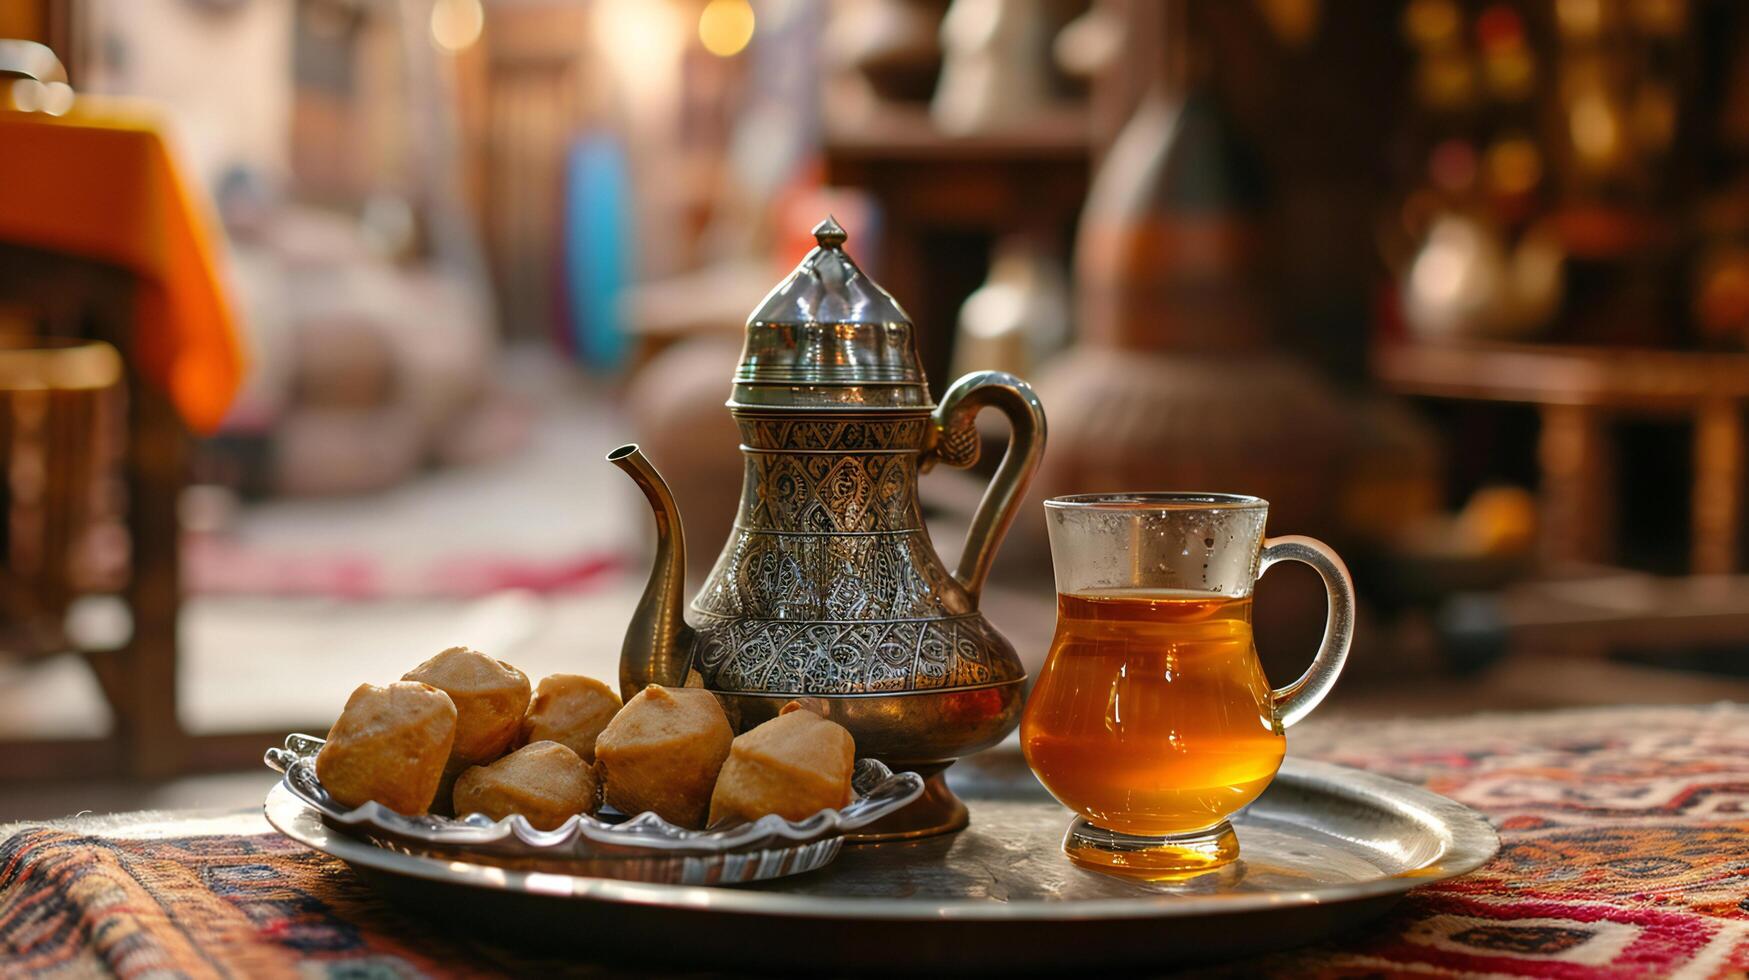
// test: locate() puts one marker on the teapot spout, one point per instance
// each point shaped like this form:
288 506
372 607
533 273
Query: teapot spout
658 643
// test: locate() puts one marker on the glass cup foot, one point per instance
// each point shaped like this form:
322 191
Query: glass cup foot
1150 858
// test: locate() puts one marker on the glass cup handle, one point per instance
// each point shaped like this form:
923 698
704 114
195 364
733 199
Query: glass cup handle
1297 700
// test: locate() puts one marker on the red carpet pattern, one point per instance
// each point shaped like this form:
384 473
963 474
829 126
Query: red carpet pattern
1624 847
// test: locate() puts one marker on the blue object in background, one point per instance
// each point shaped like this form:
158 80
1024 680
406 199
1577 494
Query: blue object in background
597 239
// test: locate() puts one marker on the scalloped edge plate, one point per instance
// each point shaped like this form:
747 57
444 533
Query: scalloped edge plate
603 844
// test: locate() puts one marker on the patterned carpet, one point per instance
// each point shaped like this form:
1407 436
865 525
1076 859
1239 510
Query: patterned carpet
1626 854
1625 846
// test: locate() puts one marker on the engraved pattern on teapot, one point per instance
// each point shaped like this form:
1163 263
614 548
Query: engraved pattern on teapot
773 656
830 584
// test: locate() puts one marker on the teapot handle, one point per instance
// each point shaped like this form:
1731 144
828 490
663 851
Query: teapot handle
955 442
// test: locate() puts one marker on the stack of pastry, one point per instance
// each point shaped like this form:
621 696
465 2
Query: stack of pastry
464 733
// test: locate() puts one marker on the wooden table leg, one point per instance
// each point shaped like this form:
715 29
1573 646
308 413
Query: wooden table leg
145 697
1718 487
1578 485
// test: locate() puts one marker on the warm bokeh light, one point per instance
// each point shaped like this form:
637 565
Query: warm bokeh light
725 27
638 45
1431 23
456 24
1514 165
1595 129
1579 18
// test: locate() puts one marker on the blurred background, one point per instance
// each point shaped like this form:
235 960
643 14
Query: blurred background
318 316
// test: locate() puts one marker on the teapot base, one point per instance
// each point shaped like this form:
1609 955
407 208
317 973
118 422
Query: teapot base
937 811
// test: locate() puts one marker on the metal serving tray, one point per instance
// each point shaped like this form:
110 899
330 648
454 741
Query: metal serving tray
1324 848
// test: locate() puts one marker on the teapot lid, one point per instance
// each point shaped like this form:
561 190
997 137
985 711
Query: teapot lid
827 337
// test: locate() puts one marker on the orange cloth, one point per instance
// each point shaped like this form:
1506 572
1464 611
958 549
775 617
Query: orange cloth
102 183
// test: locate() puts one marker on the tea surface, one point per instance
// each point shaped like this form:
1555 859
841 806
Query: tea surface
1152 715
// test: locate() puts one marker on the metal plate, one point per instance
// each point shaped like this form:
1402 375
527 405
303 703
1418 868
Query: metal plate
1323 848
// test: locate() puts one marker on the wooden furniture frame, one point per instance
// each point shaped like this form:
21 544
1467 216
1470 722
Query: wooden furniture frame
1579 391
75 297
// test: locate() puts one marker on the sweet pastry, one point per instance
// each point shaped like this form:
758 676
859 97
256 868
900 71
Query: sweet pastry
389 745
571 710
544 781
490 698
794 765
662 752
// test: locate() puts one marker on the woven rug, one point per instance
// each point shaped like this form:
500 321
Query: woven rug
1626 854
1624 846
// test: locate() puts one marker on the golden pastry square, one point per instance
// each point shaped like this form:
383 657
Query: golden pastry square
490 699
389 745
569 709
662 752
794 765
544 781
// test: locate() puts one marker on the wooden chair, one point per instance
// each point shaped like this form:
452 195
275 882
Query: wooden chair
68 296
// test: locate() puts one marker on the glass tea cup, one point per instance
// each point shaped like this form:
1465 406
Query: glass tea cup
1152 717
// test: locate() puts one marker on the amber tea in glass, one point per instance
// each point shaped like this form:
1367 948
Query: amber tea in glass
1152 718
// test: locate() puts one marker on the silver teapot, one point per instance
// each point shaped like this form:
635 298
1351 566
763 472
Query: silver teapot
829 589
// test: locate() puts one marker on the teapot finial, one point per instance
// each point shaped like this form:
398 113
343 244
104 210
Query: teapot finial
828 337
829 233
